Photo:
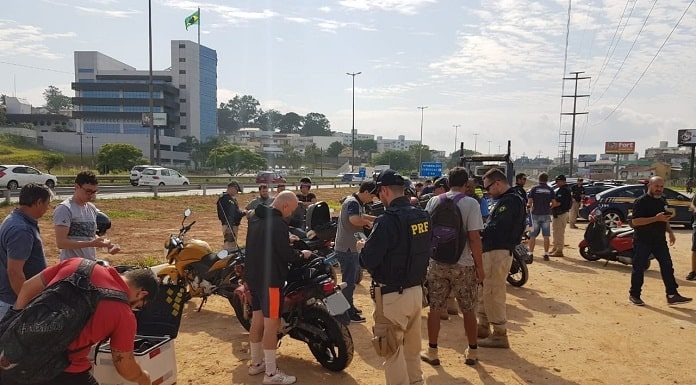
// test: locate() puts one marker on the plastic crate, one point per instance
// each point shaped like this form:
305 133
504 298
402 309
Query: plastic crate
162 317
154 354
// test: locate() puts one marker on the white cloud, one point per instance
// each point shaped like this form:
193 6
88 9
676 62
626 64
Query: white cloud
232 15
279 39
224 95
16 39
408 7
325 9
332 26
110 13
299 20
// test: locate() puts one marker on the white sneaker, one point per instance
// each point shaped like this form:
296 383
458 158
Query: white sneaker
257 369
279 378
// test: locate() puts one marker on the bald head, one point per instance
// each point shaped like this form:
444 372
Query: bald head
285 202
656 186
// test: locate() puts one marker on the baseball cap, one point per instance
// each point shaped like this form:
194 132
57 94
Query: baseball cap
388 177
561 177
235 184
442 182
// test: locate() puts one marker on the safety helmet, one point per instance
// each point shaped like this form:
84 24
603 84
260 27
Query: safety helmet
103 223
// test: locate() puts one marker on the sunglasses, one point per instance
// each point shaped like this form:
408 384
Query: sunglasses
90 191
490 185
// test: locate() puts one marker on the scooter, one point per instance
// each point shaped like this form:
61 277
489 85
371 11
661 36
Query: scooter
601 242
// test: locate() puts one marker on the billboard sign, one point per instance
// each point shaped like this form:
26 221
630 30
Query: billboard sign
160 119
432 169
620 147
686 137
587 158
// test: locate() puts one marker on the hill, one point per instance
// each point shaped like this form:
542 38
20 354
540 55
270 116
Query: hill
16 149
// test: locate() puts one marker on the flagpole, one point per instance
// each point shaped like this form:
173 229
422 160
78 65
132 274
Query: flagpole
199 26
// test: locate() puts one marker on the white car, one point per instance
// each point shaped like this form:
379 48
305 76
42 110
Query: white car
135 173
17 175
160 176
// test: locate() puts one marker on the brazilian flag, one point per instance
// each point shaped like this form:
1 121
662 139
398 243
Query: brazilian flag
195 18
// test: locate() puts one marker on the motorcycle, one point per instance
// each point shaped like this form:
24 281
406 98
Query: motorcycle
193 265
519 273
311 301
601 242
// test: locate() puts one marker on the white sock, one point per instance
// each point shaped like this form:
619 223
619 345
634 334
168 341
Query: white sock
256 353
270 356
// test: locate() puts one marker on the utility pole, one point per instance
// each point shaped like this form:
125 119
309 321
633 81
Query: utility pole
152 117
575 97
420 148
81 133
489 147
475 140
563 146
352 131
456 128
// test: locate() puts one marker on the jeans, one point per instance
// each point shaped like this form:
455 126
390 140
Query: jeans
4 307
350 266
641 255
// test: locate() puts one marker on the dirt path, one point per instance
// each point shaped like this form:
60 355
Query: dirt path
571 323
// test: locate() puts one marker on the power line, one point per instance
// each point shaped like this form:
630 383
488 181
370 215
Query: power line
36 68
649 64
606 56
627 53
565 62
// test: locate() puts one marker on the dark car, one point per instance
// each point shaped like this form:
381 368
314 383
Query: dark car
269 177
617 203
589 202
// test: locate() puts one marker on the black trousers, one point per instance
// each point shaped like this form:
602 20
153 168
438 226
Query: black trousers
641 256
84 378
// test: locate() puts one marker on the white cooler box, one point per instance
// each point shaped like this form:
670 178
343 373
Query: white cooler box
154 354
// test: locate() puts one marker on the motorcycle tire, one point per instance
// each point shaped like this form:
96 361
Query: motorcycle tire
519 273
338 353
588 255
238 307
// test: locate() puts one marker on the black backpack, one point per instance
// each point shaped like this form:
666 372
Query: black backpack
449 237
34 341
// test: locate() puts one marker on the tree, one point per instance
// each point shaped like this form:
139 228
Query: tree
335 150
55 100
291 157
192 146
398 160
270 120
238 112
52 159
425 154
118 157
366 146
311 153
236 160
316 124
291 123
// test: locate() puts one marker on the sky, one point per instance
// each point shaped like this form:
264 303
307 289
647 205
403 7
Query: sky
492 67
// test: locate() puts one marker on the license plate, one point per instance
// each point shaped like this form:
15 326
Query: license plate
336 303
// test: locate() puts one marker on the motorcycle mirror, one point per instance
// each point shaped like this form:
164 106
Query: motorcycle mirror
187 213
222 254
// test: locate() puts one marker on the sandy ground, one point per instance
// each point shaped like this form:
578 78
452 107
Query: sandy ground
570 324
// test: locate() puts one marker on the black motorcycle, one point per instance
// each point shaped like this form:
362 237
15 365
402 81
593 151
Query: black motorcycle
519 273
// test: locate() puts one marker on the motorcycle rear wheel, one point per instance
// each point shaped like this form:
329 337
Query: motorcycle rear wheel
519 273
588 255
336 353
238 307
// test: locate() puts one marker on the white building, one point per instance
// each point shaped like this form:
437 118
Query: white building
17 106
394 144
662 149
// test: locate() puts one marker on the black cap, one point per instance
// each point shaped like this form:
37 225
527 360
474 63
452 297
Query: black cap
561 177
388 177
442 182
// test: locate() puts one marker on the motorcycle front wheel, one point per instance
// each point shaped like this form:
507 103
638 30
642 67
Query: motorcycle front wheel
588 255
335 350
519 274
238 307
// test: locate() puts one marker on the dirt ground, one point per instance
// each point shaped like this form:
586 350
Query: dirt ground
570 324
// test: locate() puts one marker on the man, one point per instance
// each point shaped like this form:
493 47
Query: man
75 221
396 254
428 187
352 219
502 233
578 193
461 278
692 274
419 189
539 204
305 198
230 215
268 255
560 206
520 181
280 187
111 320
470 191
262 199
21 248
651 217
440 186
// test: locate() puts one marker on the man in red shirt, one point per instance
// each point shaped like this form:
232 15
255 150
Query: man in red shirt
112 319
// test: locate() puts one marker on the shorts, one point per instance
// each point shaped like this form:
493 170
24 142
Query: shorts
444 279
541 223
269 301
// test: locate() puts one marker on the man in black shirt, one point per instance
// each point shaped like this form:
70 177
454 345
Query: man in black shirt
651 219
520 181
560 207
578 192
230 215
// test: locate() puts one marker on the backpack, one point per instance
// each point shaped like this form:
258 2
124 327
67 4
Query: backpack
34 341
449 238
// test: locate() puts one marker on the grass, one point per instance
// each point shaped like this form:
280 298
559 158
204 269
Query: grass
133 214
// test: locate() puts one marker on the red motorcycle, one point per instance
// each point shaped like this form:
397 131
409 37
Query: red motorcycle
601 242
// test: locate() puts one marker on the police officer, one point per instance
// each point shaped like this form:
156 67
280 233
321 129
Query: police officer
560 206
397 254
230 215
503 231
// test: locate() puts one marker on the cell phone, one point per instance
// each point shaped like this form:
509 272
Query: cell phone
360 236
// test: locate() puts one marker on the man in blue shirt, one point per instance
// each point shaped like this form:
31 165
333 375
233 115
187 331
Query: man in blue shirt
541 197
21 247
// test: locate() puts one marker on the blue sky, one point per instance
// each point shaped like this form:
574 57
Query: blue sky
493 67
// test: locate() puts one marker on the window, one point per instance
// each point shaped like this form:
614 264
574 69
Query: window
182 60
100 108
85 70
32 171
182 100
141 109
100 94
142 94
182 86
183 126
165 172
20 170
182 72
181 45
182 114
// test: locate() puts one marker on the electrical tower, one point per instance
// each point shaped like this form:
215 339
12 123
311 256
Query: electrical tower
575 97
563 143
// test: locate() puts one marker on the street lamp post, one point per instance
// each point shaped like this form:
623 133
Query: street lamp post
352 131
475 140
456 129
420 148
489 147
81 134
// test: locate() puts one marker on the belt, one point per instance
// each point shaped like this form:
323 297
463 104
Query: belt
387 289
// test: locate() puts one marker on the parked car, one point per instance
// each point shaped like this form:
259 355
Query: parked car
17 175
617 203
351 177
269 177
589 202
160 176
136 171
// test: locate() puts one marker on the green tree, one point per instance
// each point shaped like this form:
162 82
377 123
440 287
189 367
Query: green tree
270 120
311 153
402 161
291 123
115 157
291 157
55 100
366 146
426 155
236 160
238 112
191 145
52 159
335 150
316 124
